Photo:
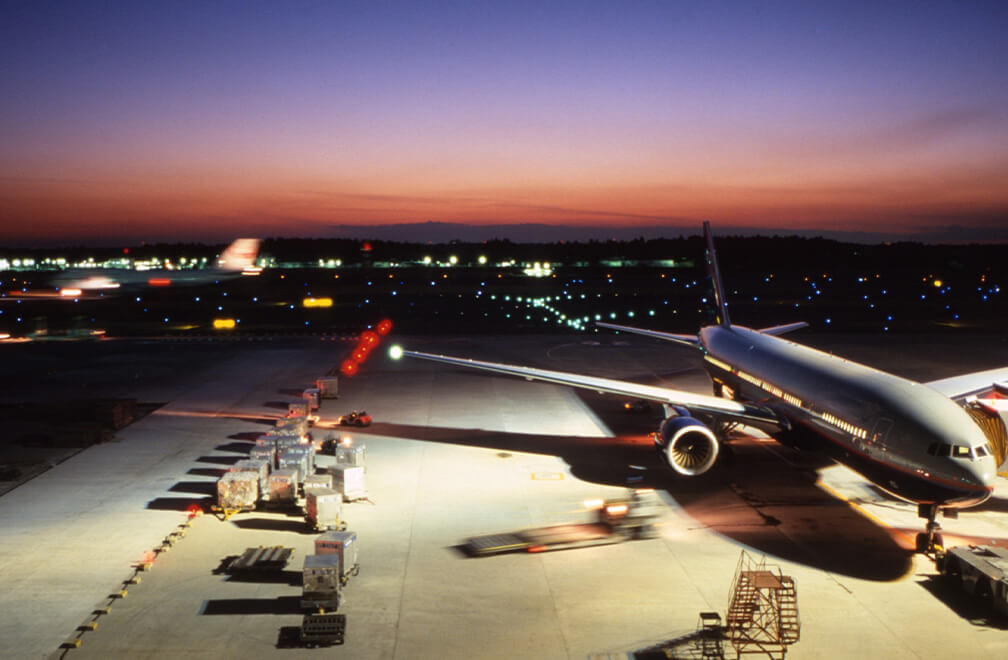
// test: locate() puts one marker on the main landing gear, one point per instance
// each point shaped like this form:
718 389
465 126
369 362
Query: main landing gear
930 541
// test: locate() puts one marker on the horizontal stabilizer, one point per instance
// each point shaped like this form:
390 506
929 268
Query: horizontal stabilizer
781 329
689 340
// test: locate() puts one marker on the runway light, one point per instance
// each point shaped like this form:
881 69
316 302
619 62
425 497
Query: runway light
223 324
317 302
395 352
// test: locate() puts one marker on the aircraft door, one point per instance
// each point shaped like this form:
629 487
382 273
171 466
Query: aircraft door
883 427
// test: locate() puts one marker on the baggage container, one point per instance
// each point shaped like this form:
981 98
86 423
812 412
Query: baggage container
267 454
343 545
349 480
282 486
237 491
260 467
351 455
311 396
298 410
324 508
328 387
313 481
266 440
321 583
296 459
295 425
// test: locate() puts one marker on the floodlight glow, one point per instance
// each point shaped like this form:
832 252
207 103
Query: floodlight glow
395 352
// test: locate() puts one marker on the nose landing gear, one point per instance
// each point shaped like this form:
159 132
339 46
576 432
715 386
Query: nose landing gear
930 541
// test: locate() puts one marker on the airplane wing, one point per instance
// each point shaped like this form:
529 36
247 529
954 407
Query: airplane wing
979 382
695 402
781 329
689 340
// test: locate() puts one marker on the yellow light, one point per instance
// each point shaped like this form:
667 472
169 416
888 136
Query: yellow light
937 284
317 302
223 324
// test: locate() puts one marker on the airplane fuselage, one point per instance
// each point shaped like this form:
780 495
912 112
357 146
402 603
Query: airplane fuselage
904 436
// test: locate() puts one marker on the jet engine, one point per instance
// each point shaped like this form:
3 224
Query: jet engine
690 447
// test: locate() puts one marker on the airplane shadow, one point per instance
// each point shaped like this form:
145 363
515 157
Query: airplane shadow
755 498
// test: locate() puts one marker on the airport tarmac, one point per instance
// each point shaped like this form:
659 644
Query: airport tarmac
454 454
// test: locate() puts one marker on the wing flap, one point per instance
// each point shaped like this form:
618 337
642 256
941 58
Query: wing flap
697 402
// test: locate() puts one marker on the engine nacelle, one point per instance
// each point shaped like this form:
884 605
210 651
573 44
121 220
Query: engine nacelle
690 447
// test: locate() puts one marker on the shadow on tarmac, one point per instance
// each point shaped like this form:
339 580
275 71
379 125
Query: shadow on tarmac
199 487
290 578
975 610
219 460
276 405
237 447
279 605
247 436
295 525
177 503
767 500
207 472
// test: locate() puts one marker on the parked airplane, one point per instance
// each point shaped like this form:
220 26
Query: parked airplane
238 259
935 444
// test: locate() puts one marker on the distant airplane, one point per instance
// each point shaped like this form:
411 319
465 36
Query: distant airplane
935 444
238 259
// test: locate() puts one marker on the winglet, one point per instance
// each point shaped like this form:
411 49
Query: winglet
714 272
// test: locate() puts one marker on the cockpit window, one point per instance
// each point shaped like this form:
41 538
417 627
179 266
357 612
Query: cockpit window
933 449
980 451
945 450
960 452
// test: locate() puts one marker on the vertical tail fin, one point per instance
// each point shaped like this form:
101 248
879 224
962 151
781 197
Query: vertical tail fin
239 255
714 272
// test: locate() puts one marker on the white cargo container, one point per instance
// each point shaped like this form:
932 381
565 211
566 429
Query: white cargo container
297 409
352 455
349 480
324 508
313 481
267 454
328 387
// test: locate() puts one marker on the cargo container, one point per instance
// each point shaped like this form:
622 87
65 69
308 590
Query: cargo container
282 487
237 491
267 454
259 466
266 440
351 455
343 545
313 481
324 508
349 480
295 425
321 583
297 459
311 397
328 387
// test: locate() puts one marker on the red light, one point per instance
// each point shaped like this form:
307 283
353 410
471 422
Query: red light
366 247
384 327
194 510
369 337
159 281
349 367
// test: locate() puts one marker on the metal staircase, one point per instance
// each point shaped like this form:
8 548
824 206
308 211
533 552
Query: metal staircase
762 613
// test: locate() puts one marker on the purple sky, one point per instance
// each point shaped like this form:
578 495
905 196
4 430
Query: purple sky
201 121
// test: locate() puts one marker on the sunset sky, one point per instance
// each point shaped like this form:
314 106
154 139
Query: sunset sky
127 121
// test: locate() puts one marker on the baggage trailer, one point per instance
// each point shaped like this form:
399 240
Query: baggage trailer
260 561
616 521
982 570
